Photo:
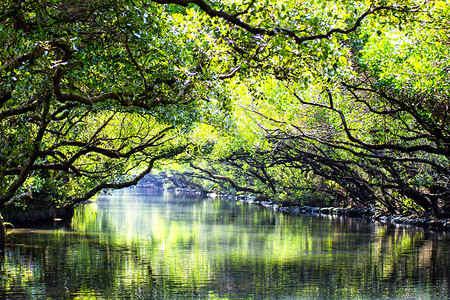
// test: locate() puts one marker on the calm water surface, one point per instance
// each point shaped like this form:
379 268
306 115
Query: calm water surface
142 244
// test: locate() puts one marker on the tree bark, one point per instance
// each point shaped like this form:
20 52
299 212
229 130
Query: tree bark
2 236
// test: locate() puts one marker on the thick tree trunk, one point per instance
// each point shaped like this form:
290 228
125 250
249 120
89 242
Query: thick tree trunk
420 199
2 235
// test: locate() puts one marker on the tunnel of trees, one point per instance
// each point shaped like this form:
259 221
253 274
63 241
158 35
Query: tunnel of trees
332 103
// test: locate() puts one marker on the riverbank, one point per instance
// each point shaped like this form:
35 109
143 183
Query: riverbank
365 213
32 217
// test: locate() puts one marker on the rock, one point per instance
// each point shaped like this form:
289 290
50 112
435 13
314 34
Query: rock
325 210
315 210
367 213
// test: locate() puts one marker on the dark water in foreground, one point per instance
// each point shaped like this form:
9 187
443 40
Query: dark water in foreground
142 244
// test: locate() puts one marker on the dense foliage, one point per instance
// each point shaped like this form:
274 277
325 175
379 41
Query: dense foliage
356 117
87 96
302 101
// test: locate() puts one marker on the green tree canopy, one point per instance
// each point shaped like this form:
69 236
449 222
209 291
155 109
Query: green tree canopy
344 101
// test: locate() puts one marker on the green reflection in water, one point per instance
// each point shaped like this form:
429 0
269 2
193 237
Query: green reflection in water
140 244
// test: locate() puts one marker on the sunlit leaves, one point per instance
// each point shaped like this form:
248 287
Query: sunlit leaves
181 66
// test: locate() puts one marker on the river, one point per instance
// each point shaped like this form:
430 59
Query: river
139 243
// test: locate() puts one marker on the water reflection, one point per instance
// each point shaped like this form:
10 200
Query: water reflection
142 244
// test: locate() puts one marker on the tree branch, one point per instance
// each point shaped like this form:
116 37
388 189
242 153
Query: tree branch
34 154
233 19
236 186
12 64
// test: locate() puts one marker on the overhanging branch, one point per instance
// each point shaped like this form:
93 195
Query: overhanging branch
236 186
233 19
